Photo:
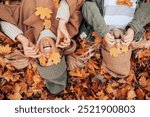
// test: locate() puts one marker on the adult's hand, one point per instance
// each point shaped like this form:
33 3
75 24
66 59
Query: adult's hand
30 50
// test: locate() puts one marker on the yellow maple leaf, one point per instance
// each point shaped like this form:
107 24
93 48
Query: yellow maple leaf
124 49
47 24
39 11
114 52
5 49
43 12
55 57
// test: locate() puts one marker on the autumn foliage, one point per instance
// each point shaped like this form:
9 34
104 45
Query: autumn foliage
89 82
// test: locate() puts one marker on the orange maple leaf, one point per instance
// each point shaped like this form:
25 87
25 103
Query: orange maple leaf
55 57
79 73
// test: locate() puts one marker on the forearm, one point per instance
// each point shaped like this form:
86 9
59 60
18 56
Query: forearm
10 30
141 18
93 16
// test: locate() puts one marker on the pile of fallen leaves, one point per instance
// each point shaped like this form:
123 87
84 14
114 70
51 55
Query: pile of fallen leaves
90 82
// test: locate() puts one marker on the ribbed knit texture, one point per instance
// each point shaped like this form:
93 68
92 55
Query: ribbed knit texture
63 11
10 30
118 16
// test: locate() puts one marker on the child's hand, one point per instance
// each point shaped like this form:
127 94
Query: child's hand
128 37
30 50
63 38
109 39
47 45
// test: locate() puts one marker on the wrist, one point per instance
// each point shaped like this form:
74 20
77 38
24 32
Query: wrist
22 39
131 31
62 21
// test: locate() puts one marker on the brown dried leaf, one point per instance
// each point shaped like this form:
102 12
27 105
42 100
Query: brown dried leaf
131 95
15 96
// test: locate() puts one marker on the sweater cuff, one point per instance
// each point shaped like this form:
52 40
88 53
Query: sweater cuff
10 30
135 26
63 11
46 33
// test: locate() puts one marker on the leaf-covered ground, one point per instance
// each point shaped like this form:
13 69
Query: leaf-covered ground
89 83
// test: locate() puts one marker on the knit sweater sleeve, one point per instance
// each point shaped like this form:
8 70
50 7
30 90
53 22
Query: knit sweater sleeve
141 17
63 11
10 30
